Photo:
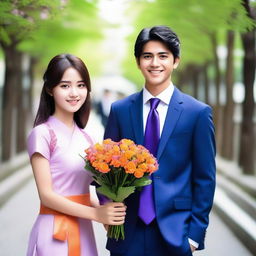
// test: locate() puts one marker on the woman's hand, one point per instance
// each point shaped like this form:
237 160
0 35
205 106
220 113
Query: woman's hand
111 213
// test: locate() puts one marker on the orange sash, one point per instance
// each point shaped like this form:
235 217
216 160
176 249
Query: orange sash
66 227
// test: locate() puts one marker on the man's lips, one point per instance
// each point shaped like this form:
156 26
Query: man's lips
155 71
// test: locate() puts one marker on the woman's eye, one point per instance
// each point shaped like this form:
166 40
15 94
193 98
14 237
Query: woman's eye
81 85
64 85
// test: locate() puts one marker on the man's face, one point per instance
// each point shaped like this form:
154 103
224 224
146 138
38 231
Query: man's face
156 64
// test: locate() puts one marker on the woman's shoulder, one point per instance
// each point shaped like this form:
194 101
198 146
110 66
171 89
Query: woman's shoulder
39 141
41 130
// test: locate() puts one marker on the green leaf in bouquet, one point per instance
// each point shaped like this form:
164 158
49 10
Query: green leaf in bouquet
98 180
106 191
122 192
88 167
144 181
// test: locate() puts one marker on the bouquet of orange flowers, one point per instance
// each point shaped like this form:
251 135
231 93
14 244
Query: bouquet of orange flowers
119 168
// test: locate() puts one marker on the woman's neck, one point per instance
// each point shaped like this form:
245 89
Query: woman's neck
67 119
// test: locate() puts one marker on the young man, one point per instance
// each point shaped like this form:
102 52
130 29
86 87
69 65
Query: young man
169 217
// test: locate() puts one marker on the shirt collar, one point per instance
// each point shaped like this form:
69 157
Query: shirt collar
164 96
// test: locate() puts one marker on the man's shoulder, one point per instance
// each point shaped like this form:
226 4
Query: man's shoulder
127 100
190 101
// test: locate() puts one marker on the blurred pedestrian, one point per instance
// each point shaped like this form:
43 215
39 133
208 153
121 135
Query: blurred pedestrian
63 226
103 106
169 217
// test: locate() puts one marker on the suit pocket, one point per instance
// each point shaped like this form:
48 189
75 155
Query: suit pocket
182 204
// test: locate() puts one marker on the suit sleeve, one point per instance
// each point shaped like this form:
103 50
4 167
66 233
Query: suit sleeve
203 175
112 130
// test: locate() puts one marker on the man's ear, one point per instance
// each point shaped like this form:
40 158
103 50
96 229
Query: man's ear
176 62
138 62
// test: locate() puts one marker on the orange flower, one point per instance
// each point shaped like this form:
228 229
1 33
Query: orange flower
124 147
115 163
143 167
138 173
98 147
130 167
107 141
129 154
127 142
123 160
134 159
103 167
116 148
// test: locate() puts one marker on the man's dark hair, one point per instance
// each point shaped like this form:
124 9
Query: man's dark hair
157 33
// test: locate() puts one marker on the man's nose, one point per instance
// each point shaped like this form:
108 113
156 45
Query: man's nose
155 61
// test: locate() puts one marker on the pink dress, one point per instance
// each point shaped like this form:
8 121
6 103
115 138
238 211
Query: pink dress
62 147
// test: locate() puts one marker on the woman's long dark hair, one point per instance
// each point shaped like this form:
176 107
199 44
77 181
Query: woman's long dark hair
52 76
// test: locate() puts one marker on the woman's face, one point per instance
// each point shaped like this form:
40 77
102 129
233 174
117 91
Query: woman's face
71 92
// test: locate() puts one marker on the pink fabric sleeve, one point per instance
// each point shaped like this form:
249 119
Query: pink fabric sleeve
39 141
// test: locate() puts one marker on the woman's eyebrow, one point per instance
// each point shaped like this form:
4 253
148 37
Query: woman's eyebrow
63 81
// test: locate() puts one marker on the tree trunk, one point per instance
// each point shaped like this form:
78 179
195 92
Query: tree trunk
195 79
32 65
228 124
247 155
20 108
206 83
217 110
9 98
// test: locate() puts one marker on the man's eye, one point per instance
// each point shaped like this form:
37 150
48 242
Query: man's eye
146 57
163 56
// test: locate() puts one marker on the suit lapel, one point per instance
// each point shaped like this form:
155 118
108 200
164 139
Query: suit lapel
137 117
174 111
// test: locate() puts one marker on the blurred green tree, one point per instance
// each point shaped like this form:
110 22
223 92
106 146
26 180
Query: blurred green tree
18 21
64 33
40 29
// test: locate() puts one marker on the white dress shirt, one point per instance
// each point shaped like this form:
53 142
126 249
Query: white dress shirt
165 97
162 108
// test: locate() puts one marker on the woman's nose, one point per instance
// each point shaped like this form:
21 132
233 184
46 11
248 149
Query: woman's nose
73 91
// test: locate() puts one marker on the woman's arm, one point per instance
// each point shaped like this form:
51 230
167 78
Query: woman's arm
111 213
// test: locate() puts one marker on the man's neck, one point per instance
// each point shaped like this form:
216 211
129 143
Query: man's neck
156 90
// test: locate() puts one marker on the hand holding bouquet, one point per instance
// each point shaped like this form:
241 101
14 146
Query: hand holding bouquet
119 168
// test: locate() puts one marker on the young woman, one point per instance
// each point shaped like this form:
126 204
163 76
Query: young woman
63 226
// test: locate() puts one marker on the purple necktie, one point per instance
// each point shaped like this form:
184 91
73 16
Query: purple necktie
151 140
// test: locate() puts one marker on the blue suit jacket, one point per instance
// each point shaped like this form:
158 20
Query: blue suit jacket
185 181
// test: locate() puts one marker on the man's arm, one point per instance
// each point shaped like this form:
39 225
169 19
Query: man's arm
203 175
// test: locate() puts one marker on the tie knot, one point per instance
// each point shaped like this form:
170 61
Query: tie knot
154 103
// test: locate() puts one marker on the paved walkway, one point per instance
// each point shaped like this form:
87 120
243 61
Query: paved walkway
18 215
